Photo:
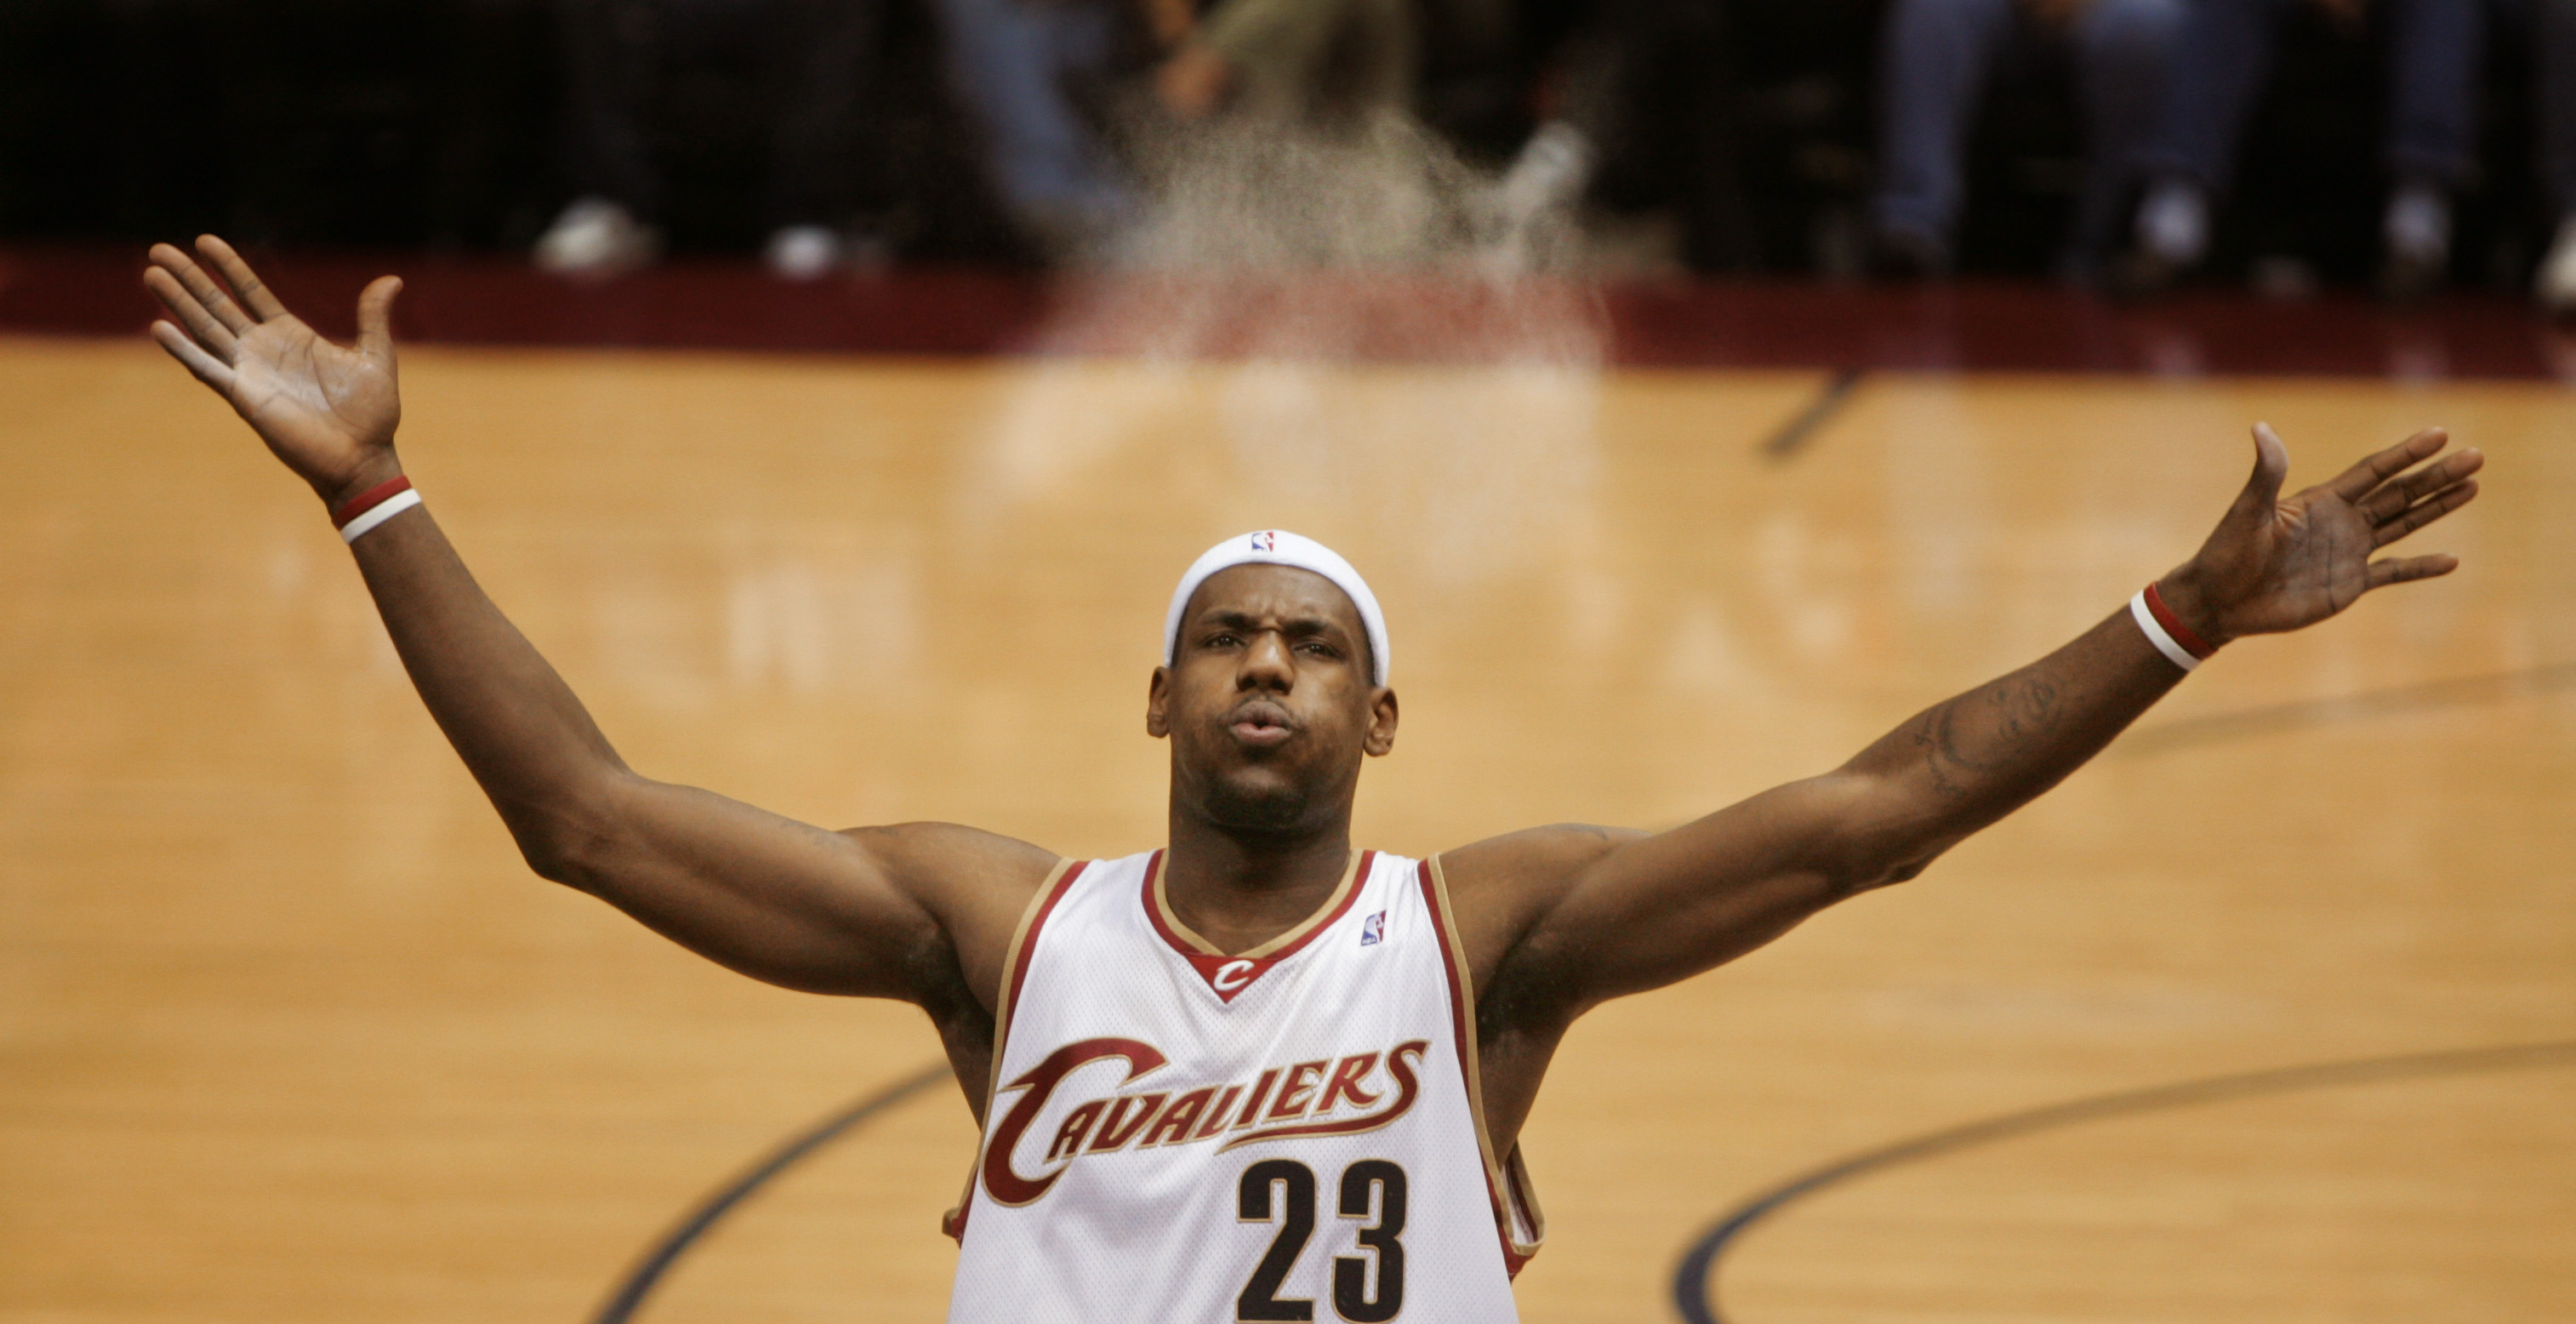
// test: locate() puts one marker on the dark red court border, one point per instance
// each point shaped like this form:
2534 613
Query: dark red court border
1694 1284
93 289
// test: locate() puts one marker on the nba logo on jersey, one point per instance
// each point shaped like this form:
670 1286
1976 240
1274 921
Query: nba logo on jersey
1373 929
1265 542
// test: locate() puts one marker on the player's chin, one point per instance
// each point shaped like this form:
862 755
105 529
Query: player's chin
1257 800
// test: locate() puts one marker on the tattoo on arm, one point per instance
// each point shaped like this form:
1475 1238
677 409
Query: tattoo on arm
1984 732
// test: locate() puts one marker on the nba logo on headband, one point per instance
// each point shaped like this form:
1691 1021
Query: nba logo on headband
1280 547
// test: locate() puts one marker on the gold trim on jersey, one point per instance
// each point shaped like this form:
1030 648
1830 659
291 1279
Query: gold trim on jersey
954 1221
1011 970
1524 1226
1332 906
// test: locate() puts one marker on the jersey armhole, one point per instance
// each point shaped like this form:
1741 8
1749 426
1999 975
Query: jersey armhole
1015 970
1516 1213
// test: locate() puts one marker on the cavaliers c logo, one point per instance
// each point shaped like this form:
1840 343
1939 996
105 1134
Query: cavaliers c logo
1009 1187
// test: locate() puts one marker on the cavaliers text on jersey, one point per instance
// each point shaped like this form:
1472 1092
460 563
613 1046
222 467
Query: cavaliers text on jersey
1181 1136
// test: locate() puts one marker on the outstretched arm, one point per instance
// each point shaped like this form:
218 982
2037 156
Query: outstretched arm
900 912
1575 916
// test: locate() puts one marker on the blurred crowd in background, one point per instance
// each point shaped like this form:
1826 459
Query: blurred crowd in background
2128 145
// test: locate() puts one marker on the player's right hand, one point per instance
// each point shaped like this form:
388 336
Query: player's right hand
327 410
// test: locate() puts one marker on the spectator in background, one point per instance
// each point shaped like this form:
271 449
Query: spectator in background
811 55
1288 61
1646 85
2435 50
1933 66
1009 62
2552 24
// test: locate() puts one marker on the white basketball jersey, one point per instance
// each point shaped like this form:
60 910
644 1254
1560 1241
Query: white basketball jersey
1180 1136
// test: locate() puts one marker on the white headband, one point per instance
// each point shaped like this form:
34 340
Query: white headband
1278 547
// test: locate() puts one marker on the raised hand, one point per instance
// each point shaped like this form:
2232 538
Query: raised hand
2275 564
328 411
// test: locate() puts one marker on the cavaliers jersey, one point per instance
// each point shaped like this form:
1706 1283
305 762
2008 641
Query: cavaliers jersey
1181 1136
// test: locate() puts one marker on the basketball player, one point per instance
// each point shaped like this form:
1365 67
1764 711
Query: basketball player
1255 1074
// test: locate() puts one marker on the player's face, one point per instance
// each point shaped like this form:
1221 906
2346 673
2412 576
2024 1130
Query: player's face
1268 702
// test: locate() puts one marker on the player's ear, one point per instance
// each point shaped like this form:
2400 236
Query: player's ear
1158 698
1381 730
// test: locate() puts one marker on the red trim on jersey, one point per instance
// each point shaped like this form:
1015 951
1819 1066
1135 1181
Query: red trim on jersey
1154 910
1028 946
1461 1023
1228 975
954 1224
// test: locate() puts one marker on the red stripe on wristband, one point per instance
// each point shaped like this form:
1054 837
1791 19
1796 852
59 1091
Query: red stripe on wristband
368 500
2182 634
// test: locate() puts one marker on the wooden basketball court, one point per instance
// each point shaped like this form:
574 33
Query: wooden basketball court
288 1034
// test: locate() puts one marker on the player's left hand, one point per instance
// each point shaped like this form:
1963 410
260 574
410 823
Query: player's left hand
2277 564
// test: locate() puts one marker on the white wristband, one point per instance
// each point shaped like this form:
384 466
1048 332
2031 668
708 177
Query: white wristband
378 514
2146 619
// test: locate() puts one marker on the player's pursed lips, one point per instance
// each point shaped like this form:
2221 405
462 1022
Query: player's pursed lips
1261 723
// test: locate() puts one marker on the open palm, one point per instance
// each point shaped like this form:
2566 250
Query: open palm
327 410
2277 563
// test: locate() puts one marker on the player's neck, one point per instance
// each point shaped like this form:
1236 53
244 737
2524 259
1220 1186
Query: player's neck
1238 890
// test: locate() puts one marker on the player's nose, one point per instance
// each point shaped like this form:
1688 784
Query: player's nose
1266 664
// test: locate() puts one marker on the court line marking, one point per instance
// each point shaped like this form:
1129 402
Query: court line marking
1787 439
1694 1283
2303 713
649 1270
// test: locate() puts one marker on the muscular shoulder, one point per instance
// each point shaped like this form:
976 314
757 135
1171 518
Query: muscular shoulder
974 884
1504 885
1535 860
946 855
